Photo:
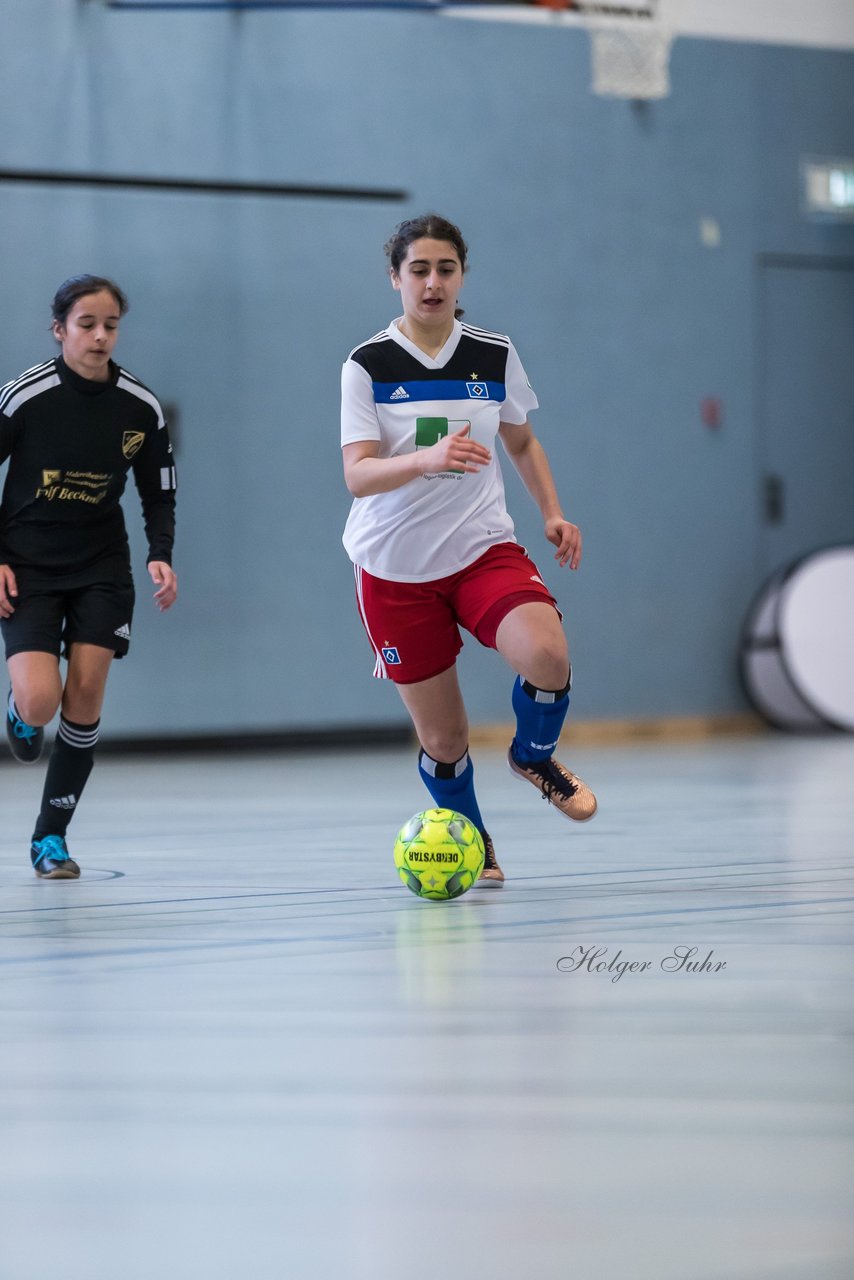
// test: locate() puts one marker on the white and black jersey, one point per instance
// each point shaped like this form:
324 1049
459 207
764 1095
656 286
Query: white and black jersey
393 393
71 442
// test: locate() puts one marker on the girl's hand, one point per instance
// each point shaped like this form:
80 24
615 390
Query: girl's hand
567 538
8 588
163 576
454 452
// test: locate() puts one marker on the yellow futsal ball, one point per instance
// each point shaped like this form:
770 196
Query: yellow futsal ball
438 854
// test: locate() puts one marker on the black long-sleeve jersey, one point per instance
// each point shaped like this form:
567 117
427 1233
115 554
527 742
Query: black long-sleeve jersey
71 442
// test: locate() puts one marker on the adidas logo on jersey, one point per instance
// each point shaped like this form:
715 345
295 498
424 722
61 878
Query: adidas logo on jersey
64 802
123 632
400 394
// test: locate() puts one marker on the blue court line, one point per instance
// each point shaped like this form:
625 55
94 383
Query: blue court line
191 948
680 911
630 888
362 889
260 900
312 940
158 902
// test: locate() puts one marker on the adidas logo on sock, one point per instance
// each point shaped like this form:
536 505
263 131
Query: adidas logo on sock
123 631
64 802
400 394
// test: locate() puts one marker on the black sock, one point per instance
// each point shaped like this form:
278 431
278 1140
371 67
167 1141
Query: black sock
69 766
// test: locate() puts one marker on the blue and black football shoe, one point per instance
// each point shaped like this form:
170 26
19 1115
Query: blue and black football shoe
25 740
51 859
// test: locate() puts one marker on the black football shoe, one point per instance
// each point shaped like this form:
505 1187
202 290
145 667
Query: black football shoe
51 859
25 740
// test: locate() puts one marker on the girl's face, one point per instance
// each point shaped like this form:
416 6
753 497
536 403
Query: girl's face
89 334
429 283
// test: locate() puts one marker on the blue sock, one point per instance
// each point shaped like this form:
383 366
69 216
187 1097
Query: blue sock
539 719
451 785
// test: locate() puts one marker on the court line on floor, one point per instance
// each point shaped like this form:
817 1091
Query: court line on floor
190 947
362 889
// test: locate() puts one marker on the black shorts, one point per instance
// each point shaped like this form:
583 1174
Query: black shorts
48 619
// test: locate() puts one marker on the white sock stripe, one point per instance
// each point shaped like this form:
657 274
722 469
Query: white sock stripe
539 695
546 695
80 738
429 765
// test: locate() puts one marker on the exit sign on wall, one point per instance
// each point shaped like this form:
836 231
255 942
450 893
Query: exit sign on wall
828 187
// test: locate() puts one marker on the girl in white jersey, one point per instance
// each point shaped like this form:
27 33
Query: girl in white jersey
429 535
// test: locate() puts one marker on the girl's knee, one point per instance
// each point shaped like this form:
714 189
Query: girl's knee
445 743
36 686
83 702
36 706
548 665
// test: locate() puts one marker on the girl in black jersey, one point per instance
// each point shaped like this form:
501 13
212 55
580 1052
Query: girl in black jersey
72 428
424 403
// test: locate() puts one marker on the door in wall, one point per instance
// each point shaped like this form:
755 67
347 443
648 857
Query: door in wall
805 407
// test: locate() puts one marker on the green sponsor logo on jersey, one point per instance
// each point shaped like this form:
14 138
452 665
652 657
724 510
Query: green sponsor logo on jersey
429 431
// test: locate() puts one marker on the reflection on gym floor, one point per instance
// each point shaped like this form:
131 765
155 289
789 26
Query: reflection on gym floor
239 1046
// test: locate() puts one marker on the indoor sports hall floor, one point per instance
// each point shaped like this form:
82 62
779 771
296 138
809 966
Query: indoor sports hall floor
238 1046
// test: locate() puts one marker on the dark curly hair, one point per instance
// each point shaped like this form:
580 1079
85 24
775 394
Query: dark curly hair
77 287
429 226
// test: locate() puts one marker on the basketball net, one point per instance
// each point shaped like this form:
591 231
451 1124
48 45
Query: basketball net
630 48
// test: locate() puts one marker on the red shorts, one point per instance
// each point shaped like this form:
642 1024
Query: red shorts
414 627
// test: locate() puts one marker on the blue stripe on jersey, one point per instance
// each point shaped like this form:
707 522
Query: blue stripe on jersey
401 392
